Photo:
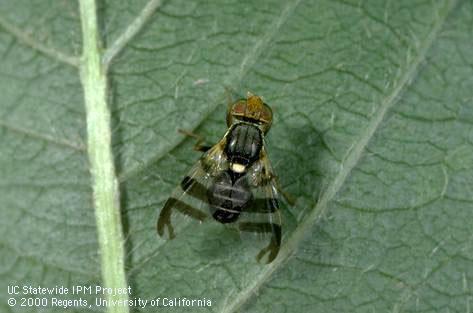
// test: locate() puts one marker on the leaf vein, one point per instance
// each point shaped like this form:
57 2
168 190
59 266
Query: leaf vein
131 31
354 155
248 60
44 137
26 39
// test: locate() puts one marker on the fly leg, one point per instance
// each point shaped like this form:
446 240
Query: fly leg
275 242
287 196
199 146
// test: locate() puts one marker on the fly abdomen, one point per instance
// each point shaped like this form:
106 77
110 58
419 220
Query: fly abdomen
228 196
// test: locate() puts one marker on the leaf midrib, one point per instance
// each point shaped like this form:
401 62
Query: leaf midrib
71 60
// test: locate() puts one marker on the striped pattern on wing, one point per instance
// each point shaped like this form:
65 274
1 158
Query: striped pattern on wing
262 215
190 197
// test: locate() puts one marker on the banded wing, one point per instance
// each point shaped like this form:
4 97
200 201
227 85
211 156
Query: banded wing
262 216
190 197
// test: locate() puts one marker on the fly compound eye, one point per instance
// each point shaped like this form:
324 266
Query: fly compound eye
267 114
266 118
237 111
239 108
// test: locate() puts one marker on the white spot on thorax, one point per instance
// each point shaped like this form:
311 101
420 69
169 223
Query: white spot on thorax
238 168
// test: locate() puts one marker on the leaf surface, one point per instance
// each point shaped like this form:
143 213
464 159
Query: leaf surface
372 135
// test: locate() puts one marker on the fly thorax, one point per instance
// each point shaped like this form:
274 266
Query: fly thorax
243 146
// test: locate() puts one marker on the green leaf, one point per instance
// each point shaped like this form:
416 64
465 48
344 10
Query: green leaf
373 135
